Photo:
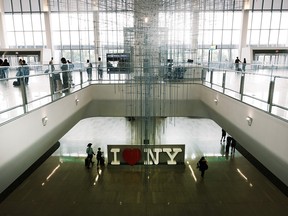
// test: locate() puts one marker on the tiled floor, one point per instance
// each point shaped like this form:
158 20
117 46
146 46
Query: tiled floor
63 186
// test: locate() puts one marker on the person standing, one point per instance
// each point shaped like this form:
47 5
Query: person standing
237 61
228 144
202 165
244 65
100 68
89 70
65 77
99 156
90 154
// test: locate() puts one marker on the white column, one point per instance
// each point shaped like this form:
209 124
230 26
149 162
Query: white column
244 29
2 26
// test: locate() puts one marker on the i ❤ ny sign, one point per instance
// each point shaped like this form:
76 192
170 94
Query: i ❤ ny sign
145 154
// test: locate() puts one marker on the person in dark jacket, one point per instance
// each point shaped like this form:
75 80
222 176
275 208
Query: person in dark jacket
202 165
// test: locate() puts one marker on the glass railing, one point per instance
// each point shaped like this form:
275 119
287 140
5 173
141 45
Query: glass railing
261 86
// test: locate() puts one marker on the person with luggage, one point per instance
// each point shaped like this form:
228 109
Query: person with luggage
202 165
90 154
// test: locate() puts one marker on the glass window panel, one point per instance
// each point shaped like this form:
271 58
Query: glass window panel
43 38
218 20
284 20
25 5
237 20
256 20
7 6
254 37
267 5
16 5
56 38
38 39
207 38
226 37
18 22
273 37
283 40
27 22
236 37
75 38
19 38
11 39
84 38
55 21
264 37
83 24
90 21
250 20
266 20
36 22
9 25
248 36
65 38
73 21
285 4
200 37
275 20
228 19
35 5
225 56
28 38
217 37
277 4
208 21
64 21
91 38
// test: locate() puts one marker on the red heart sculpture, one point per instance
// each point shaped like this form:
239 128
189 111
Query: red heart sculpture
131 155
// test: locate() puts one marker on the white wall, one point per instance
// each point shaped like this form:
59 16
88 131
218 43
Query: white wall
24 140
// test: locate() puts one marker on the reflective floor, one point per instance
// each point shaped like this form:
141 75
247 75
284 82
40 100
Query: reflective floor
63 186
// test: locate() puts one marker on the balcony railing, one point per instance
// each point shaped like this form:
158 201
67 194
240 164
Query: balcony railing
261 86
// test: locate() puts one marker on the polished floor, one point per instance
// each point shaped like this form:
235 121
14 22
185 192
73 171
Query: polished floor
63 186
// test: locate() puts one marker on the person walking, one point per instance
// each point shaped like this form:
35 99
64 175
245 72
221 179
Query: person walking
90 154
223 136
237 61
202 165
233 145
99 156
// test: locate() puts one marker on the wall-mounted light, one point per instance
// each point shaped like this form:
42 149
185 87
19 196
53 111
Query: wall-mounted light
249 120
216 101
76 101
44 121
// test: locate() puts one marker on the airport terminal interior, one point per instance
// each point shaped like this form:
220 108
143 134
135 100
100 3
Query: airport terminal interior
154 65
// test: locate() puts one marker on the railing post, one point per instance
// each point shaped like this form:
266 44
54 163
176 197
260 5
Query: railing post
24 93
81 78
224 81
271 93
242 85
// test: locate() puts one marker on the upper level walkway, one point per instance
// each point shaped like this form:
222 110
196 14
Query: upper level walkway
264 87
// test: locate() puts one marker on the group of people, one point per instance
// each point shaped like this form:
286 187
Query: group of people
66 68
237 64
99 69
4 66
90 153
22 74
